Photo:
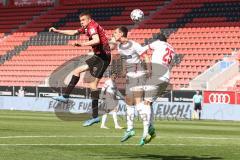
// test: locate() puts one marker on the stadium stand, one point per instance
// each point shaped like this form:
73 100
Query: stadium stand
236 87
32 2
13 18
204 31
201 30
36 50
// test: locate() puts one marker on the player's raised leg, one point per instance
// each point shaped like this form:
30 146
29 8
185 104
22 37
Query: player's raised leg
73 82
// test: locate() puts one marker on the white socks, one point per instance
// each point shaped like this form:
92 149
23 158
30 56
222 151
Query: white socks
145 114
114 115
104 119
130 117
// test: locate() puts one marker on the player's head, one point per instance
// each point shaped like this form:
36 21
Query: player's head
162 37
85 19
120 32
197 92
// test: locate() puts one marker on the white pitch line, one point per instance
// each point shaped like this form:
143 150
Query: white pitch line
213 138
108 145
160 137
13 137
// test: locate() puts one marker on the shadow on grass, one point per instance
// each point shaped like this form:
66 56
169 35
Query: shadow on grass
63 112
163 157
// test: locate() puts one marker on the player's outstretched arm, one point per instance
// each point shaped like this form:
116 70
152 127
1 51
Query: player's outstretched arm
95 40
67 32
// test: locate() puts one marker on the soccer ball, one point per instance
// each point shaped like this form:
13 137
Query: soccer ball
137 15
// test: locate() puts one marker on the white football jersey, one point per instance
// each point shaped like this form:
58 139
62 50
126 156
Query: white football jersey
110 87
131 51
163 52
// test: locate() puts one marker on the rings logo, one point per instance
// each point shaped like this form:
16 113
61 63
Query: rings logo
219 98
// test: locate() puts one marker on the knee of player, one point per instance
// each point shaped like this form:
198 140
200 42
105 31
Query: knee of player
76 72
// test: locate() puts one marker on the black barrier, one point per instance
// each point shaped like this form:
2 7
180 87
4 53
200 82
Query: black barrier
32 91
6 90
183 95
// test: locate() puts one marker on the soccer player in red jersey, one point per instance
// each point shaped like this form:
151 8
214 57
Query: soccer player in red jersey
97 64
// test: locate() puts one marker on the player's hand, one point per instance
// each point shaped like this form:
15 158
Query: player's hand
177 59
52 29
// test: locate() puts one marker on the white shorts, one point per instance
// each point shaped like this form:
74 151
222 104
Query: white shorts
152 92
157 83
110 103
136 78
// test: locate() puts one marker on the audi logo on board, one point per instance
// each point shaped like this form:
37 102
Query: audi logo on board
219 98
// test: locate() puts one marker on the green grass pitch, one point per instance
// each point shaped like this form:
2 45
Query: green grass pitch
43 136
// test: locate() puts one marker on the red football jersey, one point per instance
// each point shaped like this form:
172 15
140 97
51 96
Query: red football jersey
94 28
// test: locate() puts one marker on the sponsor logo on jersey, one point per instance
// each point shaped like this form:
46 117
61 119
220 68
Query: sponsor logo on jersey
92 31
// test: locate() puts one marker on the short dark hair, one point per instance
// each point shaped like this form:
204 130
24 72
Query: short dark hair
85 13
161 37
124 30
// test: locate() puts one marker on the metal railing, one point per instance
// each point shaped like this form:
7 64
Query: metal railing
215 76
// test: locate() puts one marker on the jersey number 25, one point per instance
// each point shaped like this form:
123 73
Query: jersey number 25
168 56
